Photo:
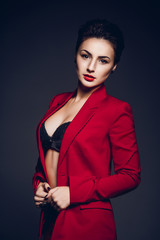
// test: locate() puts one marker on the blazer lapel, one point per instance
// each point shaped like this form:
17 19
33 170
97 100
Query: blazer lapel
56 106
81 119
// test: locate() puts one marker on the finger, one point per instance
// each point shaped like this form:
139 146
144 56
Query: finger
47 187
41 193
38 204
38 199
44 205
51 192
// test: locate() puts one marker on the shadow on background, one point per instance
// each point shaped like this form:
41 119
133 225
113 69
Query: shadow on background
37 63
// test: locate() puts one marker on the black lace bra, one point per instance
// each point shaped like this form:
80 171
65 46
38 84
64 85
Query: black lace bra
53 142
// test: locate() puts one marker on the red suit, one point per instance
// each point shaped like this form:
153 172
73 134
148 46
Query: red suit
102 129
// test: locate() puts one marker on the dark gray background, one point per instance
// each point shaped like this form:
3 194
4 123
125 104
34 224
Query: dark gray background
37 50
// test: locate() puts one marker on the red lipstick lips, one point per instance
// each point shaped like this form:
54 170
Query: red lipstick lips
88 77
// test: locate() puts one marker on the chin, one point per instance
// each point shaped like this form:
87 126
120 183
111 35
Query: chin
86 85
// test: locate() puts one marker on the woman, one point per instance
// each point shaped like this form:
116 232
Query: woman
73 181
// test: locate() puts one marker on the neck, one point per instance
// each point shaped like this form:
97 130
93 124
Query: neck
83 93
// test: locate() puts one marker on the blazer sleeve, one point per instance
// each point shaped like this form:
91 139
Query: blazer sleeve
125 159
38 176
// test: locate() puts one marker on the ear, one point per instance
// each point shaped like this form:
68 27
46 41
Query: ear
114 68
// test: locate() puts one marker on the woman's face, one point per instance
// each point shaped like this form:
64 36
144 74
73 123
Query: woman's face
94 61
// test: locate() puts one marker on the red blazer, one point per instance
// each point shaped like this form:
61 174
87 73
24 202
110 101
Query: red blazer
102 130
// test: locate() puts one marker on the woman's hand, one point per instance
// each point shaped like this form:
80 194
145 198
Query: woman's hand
59 197
41 193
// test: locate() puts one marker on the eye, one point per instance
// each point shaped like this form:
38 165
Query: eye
103 61
84 56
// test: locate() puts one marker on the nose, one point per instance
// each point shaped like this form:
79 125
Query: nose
91 66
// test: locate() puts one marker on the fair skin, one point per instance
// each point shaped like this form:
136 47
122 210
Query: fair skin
95 57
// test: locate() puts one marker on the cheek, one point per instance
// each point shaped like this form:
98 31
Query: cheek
80 65
77 62
108 70
104 73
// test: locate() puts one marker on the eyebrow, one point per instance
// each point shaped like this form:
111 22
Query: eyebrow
91 54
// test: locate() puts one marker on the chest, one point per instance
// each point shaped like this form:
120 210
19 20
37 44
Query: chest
66 113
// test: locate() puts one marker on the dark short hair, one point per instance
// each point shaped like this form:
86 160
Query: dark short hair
103 29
